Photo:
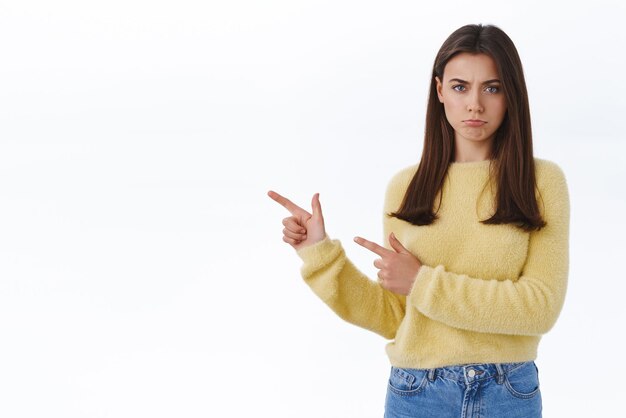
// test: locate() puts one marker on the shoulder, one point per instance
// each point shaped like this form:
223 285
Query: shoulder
548 167
400 179
553 191
549 175
403 176
397 186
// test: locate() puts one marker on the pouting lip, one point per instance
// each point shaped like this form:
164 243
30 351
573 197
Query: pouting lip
474 120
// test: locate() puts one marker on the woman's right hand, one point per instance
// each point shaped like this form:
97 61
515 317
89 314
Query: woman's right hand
301 228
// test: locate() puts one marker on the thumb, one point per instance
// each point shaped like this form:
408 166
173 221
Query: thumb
317 207
397 245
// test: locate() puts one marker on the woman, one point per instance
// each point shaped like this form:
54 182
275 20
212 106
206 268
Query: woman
467 286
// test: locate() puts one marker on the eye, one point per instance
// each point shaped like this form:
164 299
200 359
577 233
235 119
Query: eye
497 89
457 85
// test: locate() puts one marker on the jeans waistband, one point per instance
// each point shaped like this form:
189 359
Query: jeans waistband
473 372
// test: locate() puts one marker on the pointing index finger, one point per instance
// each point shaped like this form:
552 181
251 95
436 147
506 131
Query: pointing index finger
372 246
288 204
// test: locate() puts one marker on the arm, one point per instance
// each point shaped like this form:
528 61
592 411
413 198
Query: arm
528 306
347 291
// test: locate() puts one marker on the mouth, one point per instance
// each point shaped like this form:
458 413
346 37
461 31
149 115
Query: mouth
474 122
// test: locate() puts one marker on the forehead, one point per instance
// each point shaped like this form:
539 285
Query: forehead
471 67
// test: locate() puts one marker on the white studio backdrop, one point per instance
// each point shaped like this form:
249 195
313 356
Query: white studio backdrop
142 267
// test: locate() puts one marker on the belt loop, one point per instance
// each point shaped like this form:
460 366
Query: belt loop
431 375
500 373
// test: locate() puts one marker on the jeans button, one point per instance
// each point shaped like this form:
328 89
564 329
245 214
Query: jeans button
471 373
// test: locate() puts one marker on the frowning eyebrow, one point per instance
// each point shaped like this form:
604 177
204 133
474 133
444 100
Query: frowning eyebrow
458 80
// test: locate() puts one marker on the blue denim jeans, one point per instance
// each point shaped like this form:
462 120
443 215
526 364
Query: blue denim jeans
476 390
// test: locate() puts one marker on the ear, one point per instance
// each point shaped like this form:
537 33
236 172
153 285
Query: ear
439 86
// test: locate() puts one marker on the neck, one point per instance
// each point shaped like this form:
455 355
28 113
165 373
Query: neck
467 151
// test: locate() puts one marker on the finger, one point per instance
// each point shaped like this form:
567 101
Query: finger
291 240
396 244
372 246
316 205
378 263
294 235
380 278
288 204
293 224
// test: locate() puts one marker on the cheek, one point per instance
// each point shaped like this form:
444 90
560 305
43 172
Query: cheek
453 104
500 107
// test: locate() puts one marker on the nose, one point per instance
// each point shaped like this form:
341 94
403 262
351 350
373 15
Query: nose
474 104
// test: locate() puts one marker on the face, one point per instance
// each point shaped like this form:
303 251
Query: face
468 91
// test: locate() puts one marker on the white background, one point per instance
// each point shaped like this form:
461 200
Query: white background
142 267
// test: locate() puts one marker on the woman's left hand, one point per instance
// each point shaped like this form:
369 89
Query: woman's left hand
398 268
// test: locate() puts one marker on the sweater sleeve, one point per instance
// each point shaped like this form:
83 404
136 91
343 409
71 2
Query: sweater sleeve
528 305
349 292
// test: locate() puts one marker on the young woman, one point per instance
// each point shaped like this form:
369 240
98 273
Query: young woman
474 266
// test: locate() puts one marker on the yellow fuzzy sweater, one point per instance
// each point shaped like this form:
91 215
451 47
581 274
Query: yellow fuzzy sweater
484 293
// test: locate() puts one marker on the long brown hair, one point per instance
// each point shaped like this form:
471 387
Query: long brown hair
512 164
